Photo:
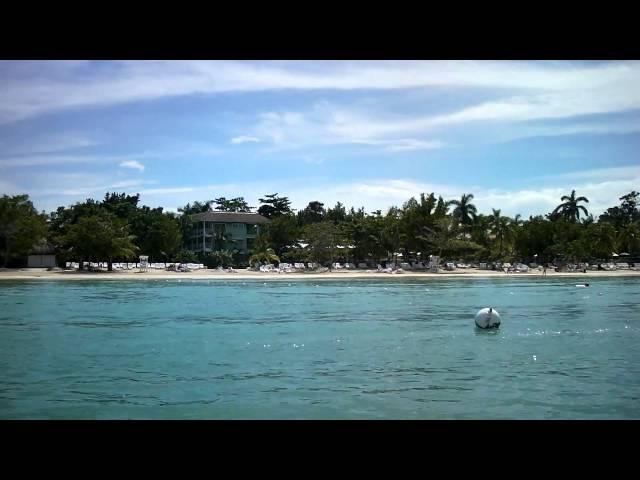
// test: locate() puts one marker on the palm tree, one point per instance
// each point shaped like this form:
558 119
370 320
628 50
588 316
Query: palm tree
264 256
500 226
465 211
570 209
628 239
602 239
517 220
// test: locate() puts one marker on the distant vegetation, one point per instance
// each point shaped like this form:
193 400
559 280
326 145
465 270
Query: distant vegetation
119 229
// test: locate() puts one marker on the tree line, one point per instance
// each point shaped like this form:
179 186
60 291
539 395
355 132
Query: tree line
118 228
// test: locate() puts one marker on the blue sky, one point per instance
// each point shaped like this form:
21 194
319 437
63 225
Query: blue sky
368 133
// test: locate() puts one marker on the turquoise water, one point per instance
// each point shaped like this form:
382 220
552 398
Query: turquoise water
365 349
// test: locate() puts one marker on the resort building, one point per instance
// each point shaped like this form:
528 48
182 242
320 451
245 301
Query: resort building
231 231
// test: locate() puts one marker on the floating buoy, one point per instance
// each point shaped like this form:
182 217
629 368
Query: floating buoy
488 318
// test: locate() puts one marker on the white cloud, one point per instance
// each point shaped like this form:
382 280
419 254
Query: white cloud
169 190
244 139
603 187
45 160
49 144
597 174
132 164
37 88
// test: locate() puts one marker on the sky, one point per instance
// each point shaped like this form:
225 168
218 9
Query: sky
516 134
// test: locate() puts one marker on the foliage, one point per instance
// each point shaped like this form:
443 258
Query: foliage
265 256
186 256
21 227
273 206
569 209
314 212
100 237
118 228
237 204
323 239
218 258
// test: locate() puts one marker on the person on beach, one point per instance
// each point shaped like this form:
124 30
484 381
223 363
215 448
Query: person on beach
544 270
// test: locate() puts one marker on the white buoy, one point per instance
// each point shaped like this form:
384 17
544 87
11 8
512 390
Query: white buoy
488 318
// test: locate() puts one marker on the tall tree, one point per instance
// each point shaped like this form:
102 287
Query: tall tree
121 205
624 214
314 212
273 206
500 227
237 204
21 226
100 237
570 208
323 239
441 209
464 211
157 234
337 214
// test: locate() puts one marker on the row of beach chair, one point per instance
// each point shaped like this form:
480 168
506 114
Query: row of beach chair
132 266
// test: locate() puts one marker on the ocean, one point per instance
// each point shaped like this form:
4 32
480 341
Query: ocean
401 348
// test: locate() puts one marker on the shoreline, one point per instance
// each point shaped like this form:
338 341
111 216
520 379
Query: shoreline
44 274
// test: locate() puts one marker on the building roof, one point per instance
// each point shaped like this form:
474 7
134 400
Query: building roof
230 217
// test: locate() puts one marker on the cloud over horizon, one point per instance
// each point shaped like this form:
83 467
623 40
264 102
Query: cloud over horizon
368 133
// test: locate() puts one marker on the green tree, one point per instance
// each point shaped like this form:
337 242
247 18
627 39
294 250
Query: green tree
218 258
186 256
100 237
314 212
442 235
628 239
281 234
264 256
624 214
570 208
501 228
121 205
464 211
237 204
391 236
337 214
441 209
602 240
323 239
157 234
273 206
21 226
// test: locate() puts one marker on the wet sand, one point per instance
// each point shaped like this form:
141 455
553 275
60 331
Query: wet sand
44 274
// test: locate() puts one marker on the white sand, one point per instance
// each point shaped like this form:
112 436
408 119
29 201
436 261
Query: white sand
43 274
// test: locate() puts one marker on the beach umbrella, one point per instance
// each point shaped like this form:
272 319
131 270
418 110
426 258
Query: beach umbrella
625 254
614 254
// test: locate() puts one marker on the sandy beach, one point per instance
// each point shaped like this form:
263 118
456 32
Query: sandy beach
44 274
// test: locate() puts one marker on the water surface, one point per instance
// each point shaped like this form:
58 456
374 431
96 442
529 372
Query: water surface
319 349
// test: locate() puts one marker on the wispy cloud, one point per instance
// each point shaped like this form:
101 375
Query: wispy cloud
132 164
85 84
244 139
603 187
168 190
46 144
